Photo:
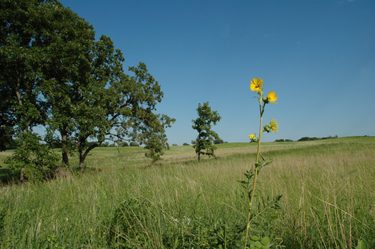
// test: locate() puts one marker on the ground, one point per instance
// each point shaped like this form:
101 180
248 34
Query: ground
121 201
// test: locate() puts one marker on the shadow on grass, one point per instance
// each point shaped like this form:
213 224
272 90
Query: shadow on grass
7 176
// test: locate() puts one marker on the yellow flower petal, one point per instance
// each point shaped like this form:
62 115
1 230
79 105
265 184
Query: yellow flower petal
256 85
252 137
271 97
274 125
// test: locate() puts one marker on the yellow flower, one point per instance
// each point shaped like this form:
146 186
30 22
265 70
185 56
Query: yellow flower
256 85
274 126
271 97
252 137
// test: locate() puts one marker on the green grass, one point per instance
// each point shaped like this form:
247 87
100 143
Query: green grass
328 201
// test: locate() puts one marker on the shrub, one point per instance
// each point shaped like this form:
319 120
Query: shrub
32 160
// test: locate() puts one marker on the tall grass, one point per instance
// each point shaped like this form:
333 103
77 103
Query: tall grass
327 186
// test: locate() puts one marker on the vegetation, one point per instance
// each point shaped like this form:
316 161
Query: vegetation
251 175
326 184
204 143
45 46
283 140
156 139
315 138
123 202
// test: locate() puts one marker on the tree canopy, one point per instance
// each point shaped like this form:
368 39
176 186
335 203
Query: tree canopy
54 74
204 143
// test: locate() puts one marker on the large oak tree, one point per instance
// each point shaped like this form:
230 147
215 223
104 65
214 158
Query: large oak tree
55 74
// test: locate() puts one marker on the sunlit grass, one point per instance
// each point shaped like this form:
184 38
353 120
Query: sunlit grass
327 186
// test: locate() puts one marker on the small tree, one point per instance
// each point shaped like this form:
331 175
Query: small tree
204 144
155 138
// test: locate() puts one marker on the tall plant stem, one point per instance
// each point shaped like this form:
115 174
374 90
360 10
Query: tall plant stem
254 185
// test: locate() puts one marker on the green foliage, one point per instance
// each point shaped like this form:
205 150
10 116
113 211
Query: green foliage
126 223
21 59
6 140
204 143
44 47
2 219
260 243
132 144
156 140
184 200
34 161
361 245
133 226
219 141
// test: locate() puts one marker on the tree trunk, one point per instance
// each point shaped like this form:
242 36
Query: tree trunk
83 154
64 148
82 158
65 157
22 175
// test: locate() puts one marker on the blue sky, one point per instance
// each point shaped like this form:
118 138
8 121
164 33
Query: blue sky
318 55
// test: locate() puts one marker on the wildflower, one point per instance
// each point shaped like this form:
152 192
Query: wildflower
271 97
274 126
256 85
252 137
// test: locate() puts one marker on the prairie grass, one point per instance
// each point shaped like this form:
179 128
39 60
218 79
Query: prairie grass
328 190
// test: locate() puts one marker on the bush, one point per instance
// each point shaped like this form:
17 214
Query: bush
32 160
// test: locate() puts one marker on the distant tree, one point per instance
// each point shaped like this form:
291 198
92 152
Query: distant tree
155 139
316 138
185 144
330 137
218 141
204 143
283 140
307 139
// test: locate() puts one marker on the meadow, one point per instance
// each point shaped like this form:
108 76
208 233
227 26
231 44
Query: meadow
122 201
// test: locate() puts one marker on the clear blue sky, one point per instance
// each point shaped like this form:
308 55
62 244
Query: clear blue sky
318 55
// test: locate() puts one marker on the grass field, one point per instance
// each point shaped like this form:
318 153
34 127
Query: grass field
328 189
